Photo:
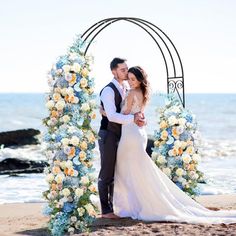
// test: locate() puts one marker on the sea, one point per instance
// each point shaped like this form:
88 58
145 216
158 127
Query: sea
215 114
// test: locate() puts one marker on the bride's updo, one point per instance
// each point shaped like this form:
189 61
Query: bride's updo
141 76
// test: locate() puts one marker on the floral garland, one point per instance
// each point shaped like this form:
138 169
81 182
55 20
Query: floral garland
70 142
176 146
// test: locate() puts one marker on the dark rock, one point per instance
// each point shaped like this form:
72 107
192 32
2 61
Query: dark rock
19 137
150 145
18 166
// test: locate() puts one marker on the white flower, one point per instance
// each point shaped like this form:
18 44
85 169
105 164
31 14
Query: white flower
71 230
76 67
175 109
154 155
79 192
70 91
49 178
66 118
92 103
161 159
73 218
59 178
65 141
69 164
177 144
72 56
50 104
64 91
186 158
182 121
196 157
66 192
84 180
81 211
66 68
60 105
172 120
85 107
180 129
179 172
74 140
90 209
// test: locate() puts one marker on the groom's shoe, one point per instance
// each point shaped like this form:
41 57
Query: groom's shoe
110 216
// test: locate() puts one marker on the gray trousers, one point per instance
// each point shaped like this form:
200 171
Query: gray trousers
108 144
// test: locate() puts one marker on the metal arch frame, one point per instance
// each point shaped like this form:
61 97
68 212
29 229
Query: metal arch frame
175 83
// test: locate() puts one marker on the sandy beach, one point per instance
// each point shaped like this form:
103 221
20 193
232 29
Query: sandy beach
26 219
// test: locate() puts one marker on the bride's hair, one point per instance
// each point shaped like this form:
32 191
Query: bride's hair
141 76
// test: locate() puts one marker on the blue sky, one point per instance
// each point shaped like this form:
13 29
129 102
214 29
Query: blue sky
35 33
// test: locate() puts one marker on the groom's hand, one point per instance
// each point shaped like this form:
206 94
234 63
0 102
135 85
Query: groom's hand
102 111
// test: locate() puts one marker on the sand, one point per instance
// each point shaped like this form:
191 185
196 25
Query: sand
26 219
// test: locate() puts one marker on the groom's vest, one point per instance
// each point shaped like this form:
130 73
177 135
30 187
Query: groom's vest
105 123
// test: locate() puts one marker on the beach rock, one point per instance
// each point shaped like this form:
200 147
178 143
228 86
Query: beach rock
12 166
19 137
150 145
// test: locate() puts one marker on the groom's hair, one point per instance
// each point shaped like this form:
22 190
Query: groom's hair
114 63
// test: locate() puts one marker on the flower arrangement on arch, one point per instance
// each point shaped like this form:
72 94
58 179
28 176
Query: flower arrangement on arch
70 143
176 146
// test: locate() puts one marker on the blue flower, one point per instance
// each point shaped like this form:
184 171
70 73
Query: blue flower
68 207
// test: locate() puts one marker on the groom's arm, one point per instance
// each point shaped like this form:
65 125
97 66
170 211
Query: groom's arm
108 99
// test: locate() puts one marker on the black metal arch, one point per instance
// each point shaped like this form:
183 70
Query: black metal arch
172 61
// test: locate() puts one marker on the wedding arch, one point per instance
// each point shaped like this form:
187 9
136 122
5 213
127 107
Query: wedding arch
70 139
172 60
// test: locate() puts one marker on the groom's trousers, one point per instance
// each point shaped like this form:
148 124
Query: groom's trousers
108 144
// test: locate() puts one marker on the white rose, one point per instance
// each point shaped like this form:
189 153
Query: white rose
60 105
79 192
161 159
182 121
154 155
179 172
85 107
74 141
66 68
59 178
65 141
66 192
76 67
175 109
50 104
84 180
92 103
177 144
196 157
89 208
81 211
66 118
172 120
69 164
73 218
70 91
186 158
183 144
49 178
64 91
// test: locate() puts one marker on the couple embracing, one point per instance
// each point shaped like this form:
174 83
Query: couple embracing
129 182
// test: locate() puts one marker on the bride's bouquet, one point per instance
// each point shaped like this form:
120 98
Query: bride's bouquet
70 142
176 146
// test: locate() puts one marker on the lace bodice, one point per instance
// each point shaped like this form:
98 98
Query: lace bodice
136 106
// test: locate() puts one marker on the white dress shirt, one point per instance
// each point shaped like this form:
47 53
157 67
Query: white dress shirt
108 99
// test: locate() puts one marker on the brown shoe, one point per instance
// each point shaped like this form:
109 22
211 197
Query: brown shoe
110 216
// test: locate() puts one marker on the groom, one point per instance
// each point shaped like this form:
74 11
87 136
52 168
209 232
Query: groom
110 132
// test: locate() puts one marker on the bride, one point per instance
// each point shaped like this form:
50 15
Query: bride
141 190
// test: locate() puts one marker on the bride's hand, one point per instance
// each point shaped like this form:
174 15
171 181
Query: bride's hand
139 119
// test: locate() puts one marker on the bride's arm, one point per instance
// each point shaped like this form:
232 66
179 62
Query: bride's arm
128 103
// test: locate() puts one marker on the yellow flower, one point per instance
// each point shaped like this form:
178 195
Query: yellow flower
84 72
179 172
92 188
79 192
50 178
93 115
73 80
56 97
74 141
83 145
66 192
164 135
163 124
82 155
56 170
190 150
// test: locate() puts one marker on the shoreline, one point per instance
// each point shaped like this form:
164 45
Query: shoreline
17 219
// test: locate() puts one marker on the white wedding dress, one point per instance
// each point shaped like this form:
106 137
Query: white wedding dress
142 191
